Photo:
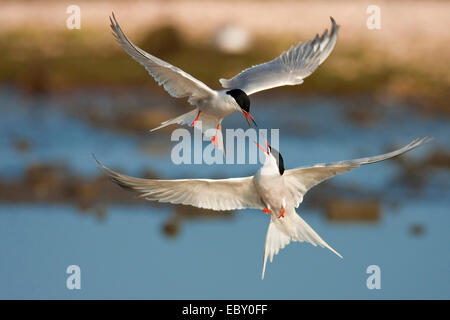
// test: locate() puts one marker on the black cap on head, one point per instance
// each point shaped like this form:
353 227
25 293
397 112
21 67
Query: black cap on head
276 154
241 98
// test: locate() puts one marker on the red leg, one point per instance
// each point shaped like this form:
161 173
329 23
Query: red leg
214 140
196 119
282 213
266 210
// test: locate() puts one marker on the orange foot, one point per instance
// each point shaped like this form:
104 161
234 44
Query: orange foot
196 119
266 210
214 140
282 213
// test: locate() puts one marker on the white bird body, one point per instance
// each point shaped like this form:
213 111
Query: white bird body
212 106
285 224
210 112
220 105
272 189
270 186
217 105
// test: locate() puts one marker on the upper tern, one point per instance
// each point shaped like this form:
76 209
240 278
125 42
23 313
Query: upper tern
212 106
272 189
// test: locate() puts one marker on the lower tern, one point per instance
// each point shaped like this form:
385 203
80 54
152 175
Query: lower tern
212 106
272 189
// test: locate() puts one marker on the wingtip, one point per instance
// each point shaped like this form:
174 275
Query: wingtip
96 160
419 141
334 25
100 164
338 254
114 23
334 251
426 139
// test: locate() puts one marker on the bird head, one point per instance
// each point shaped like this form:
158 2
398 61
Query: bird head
273 157
243 101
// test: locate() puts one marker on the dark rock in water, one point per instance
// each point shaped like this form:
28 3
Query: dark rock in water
171 228
152 148
187 213
101 212
440 158
417 230
142 120
150 174
44 180
353 210
21 145
364 117
55 183
414 175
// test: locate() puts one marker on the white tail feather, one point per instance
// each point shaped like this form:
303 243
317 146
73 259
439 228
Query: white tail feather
186 118
206 123
291 227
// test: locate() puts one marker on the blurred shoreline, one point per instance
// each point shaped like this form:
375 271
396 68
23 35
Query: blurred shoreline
406 59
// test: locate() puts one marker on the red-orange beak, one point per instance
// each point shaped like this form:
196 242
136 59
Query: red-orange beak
264 150
248 115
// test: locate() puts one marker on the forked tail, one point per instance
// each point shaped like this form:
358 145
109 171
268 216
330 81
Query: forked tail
291 227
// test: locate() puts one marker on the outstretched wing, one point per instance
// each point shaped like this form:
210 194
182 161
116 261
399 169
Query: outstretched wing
300 180
290 68
223 194
177 83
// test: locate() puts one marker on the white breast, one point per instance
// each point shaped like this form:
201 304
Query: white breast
270 185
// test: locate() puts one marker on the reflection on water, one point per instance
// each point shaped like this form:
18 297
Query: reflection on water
393 214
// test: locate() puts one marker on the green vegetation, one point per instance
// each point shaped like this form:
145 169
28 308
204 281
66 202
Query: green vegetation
40 62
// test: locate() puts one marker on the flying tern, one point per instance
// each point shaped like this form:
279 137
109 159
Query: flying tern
212 106
272 189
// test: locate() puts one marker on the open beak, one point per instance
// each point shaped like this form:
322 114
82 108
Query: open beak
248 115
266 151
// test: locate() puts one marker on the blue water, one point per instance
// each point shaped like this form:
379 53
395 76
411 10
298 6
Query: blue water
127 256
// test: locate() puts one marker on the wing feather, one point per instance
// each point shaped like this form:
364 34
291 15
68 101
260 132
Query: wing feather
290 68
177 83
300 180
221 194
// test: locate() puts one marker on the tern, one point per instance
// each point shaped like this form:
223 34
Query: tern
272 189
212 106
